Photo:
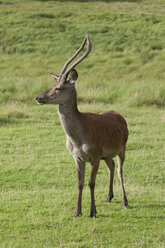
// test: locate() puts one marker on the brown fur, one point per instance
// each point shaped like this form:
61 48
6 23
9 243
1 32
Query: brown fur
89 137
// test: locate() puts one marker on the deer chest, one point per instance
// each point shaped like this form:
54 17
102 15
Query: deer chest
80 152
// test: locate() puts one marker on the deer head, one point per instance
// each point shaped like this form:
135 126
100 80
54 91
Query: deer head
64 90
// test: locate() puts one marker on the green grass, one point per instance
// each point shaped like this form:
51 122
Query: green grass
124 72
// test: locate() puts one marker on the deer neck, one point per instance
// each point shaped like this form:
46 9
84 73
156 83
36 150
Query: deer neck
69 117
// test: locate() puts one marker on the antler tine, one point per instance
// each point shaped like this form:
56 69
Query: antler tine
64 73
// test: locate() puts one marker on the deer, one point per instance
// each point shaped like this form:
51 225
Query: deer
89 137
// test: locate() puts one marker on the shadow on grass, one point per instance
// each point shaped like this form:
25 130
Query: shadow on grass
144 205
152 205
6 121
106 1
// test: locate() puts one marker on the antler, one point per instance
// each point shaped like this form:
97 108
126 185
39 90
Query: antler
64 73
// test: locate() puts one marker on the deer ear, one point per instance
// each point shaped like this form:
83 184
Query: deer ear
73 76
55 77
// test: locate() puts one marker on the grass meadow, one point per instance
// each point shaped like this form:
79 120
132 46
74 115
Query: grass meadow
125 72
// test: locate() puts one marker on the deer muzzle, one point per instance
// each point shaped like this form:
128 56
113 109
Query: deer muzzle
40 100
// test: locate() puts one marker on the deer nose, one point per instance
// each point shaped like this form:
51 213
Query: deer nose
39 100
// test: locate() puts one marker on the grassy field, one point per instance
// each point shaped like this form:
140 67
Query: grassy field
124 72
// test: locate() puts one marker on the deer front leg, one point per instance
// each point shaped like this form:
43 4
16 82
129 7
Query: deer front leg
80 175
94 169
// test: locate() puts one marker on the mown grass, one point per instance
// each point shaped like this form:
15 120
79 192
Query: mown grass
124 72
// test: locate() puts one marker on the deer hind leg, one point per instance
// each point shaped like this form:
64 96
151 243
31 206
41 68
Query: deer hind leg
94 169
111 166
120 161
80 175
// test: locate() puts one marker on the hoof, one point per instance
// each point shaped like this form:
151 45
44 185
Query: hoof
109 198
125 205
93 213
77 214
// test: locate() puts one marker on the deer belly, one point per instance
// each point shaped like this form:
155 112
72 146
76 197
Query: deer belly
108 153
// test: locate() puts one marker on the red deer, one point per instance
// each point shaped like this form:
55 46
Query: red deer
89 137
